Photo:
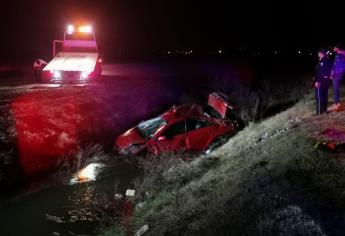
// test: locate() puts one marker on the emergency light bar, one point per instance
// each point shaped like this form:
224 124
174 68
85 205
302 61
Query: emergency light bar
85 29
70 29
81 29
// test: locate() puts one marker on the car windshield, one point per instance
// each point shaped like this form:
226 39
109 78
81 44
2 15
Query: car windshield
148 128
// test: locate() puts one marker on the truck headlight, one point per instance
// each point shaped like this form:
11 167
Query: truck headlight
57 74
84 75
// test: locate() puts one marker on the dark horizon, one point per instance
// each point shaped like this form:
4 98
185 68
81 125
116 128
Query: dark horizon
143 27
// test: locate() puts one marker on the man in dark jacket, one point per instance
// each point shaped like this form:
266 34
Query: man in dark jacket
338 71
321 81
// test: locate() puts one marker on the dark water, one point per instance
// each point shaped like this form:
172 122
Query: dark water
57 205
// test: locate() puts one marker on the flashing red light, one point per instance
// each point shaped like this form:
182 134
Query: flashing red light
100 60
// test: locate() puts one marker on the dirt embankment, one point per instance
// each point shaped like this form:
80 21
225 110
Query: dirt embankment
268 179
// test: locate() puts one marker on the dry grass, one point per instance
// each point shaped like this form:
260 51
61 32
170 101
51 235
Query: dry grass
85 156
314 126
264 181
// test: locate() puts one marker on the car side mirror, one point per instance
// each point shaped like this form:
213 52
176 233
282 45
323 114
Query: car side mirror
161 138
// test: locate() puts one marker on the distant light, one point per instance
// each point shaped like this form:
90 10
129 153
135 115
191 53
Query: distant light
85 29
169 52
100 60
299 52
70 29
220 51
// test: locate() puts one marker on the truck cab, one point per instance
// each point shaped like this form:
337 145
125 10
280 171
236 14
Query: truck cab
79 59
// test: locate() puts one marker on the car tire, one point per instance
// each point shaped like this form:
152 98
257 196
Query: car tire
216 143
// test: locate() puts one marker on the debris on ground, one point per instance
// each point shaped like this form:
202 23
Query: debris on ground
334 134
130 193
294 123
56 219
272 134
331 139
142 230
140 205
290 125
118 196
330 146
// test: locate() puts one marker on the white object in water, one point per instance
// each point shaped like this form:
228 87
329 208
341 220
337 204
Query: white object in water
87 174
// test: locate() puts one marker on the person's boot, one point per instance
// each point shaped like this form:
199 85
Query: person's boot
334 107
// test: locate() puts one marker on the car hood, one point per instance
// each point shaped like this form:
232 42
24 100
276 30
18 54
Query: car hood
129 138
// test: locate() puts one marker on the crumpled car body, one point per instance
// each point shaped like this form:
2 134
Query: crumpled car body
186 128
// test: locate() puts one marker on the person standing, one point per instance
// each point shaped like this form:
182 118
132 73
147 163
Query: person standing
37 67
321 81
337 74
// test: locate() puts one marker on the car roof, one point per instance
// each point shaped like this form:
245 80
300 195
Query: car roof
182 112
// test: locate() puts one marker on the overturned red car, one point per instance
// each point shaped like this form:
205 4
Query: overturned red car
184 128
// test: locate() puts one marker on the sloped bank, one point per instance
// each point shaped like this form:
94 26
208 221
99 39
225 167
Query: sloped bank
268 179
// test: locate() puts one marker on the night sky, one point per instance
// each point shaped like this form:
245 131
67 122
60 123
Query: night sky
29 26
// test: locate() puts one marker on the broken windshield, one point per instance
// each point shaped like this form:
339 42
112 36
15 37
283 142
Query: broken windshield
148 128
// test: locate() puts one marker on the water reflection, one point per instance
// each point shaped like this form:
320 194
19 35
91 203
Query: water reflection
87 174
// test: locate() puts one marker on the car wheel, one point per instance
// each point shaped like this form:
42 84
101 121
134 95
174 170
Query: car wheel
219 141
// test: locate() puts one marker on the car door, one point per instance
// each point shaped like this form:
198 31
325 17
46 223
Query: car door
172 139
199 134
